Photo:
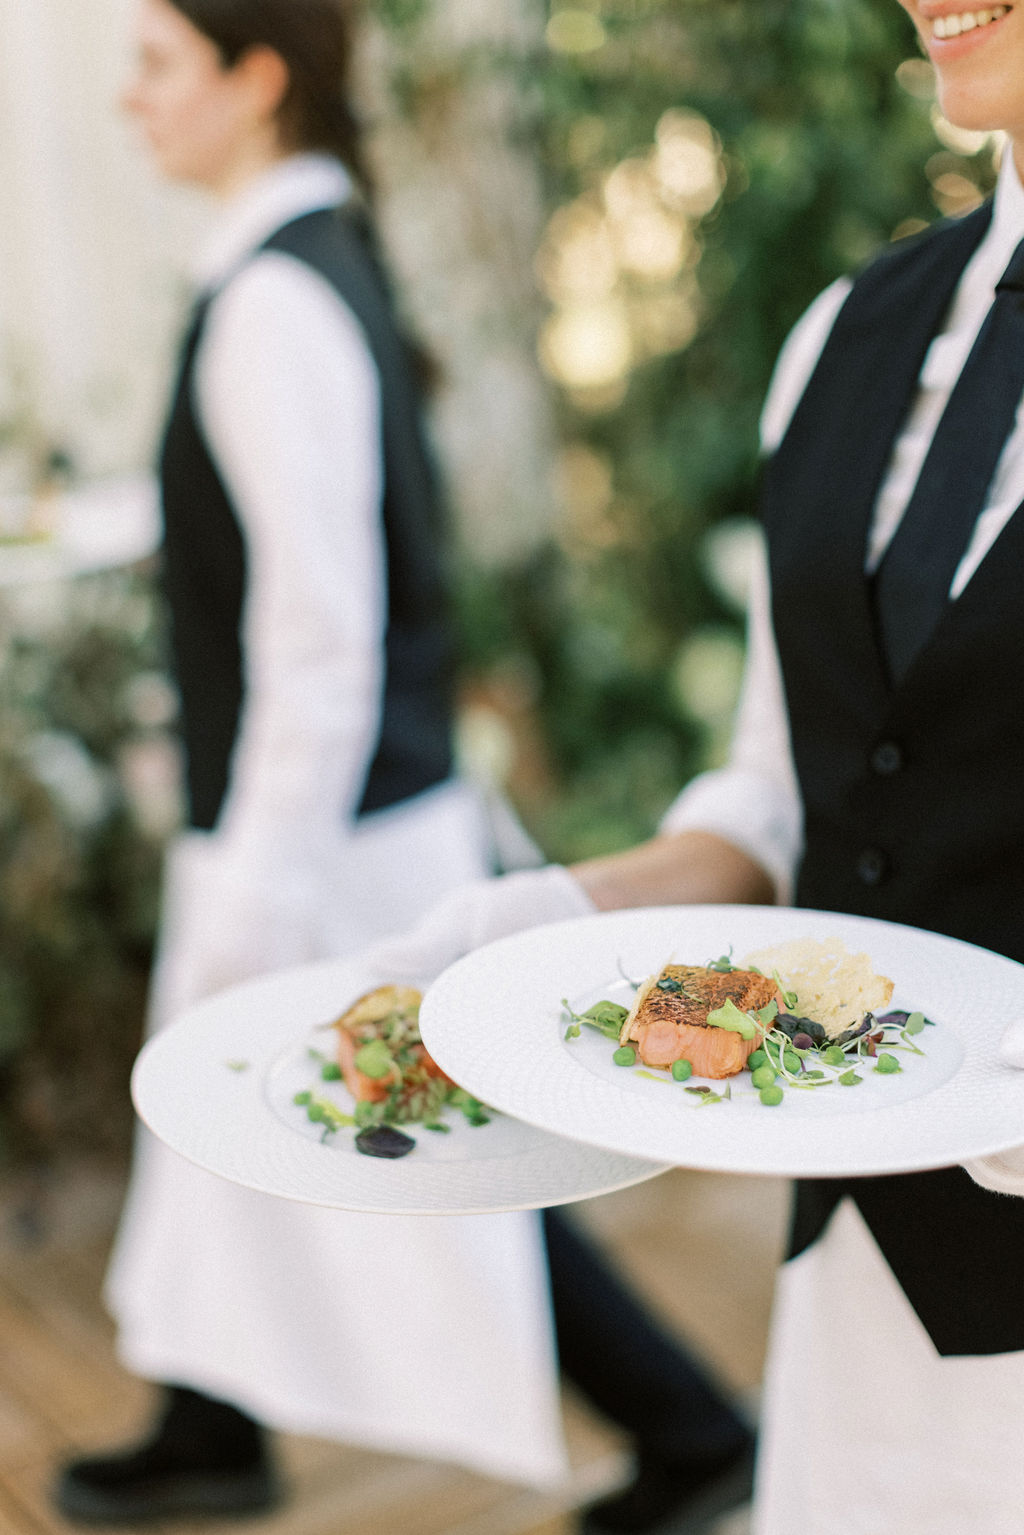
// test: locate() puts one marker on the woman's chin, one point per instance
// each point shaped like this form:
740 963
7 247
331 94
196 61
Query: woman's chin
980 107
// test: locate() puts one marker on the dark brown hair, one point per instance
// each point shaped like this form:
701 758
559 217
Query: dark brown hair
315 40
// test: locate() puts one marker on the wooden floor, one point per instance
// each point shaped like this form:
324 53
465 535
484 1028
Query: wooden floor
702 1248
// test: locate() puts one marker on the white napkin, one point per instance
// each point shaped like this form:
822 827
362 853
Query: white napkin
1003 1173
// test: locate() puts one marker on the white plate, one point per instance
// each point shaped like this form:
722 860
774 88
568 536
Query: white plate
494 1021
218 1084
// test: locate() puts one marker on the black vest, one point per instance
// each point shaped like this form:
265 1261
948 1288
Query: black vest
912 795
204 565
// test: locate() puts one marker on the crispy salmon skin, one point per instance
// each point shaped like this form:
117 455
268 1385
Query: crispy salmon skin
669 1019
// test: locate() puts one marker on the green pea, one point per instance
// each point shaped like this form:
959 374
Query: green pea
770 1096
302 1098
625 1055
887 1064
791 1061
834 1056
330 1072
682 1071
764 1076
756 1058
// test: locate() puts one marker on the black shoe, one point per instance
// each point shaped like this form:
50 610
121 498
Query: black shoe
665 1500
204 1457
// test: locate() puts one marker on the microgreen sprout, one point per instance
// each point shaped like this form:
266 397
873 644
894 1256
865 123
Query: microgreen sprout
790 998
606 1017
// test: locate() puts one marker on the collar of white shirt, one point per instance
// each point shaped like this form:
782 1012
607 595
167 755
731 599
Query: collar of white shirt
300 184
977 286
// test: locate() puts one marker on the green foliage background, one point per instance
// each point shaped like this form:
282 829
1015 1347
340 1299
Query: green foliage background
825 154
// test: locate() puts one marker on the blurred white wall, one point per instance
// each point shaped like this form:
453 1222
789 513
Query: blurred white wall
93 247
90 246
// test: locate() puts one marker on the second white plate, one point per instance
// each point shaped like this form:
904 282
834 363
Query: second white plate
218 1087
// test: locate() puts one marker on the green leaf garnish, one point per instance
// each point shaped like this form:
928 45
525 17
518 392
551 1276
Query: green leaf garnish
729 1017
321 1111
374 1060
606 1017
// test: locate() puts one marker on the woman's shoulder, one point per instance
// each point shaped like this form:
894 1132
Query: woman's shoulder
277 331
276 298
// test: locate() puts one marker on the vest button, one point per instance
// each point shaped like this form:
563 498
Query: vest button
887 758
872 866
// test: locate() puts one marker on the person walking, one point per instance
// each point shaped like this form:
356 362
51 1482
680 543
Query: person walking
303 572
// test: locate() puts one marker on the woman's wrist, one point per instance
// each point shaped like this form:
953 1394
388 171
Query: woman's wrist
681 868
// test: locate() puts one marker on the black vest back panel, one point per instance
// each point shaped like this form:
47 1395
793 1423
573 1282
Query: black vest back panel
205 558
929 829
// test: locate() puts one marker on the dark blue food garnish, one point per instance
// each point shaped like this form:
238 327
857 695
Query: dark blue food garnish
791 1025
865 1026
384 1141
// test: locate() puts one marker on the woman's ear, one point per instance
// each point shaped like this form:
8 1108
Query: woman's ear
266 78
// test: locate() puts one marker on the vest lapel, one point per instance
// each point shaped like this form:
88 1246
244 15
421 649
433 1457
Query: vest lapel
837 450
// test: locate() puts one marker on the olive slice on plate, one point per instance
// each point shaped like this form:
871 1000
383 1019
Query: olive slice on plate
384 1141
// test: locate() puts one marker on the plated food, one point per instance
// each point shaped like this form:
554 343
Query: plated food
392 1078
802 1015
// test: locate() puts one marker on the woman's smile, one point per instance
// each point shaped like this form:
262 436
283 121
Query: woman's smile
953 32
979 63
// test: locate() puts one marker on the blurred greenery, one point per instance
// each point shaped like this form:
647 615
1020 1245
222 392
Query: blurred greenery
78 874
605 661
825 153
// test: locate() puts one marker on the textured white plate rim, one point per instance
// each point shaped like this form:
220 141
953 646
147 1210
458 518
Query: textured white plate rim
493 1020
219 1118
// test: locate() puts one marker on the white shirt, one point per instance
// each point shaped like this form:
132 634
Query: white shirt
288 397
754 801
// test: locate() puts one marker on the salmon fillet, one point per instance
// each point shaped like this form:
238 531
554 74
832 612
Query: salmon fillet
669 1019
390 1012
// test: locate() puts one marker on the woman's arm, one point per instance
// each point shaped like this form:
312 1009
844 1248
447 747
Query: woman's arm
675 868
289 399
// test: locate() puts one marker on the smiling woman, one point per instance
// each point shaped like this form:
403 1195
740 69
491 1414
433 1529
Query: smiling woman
979 62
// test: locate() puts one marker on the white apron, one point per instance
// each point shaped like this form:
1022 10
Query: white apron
867 1430
421 1335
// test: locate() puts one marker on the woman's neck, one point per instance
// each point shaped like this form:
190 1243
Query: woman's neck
252 160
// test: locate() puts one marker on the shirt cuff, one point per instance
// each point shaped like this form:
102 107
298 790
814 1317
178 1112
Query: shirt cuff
751 811
1003 1173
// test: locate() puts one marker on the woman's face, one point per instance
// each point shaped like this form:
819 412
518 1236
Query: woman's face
203 123
979 61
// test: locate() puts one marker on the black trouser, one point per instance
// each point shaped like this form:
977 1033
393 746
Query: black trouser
627 1366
